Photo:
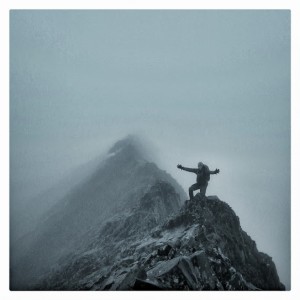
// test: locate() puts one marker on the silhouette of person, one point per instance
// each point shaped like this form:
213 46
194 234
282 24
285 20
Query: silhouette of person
203 176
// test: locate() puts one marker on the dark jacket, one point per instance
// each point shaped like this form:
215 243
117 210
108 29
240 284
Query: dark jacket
203 174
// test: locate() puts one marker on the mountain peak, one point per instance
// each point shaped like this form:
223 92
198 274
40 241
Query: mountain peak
133 146
206 210
123 180
129 141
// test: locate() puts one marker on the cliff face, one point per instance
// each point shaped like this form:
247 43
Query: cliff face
200 247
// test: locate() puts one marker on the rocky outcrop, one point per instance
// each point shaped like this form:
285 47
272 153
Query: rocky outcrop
200 247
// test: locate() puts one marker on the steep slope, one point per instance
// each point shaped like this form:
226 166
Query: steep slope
120 181
201 247
25 215
109 244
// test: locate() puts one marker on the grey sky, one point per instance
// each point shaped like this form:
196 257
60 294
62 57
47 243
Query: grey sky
211 86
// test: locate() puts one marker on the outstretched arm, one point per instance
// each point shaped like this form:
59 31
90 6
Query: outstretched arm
216 171
187 169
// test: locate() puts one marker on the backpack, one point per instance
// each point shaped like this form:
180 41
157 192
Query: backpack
206 174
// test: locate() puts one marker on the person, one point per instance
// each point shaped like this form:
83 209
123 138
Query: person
203 176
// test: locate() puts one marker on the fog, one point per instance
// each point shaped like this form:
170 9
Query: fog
211 86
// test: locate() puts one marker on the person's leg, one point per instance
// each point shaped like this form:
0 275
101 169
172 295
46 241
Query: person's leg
203 190
192 188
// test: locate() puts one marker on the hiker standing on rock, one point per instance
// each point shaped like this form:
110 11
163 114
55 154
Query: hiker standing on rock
203 176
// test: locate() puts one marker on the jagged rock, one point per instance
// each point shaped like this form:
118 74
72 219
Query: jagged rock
125 181
143 285
164 251
176 272
201 247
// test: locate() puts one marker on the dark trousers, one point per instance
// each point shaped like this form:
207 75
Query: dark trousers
198 186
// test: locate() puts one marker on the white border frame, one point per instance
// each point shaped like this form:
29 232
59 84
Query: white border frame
6 5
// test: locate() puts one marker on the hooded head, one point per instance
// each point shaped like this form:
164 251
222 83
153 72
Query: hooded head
200 165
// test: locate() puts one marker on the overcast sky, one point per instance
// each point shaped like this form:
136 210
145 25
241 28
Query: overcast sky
211 86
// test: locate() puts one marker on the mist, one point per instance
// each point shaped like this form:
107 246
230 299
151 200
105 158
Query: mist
210 86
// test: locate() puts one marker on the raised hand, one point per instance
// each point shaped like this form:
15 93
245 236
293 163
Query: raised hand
217 171
179 166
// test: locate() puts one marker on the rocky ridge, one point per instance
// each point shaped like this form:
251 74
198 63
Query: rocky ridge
114 187
200 247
